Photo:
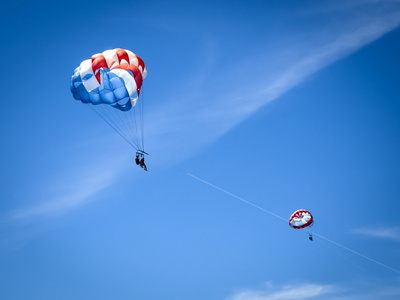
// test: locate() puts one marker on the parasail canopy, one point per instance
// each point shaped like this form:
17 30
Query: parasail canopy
300 219
113 77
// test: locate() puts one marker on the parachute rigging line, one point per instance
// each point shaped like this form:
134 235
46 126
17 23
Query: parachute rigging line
279 217
358 253
331 248
237 197
112 126
142 118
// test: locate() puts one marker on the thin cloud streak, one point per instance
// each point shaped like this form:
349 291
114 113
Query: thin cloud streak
345 44
209 120
79 196
74 193
306 291
300 292
389 233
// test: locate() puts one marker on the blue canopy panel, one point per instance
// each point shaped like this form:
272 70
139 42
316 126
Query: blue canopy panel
110 91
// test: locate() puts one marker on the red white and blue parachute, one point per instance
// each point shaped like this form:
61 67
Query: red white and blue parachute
113 79
301 219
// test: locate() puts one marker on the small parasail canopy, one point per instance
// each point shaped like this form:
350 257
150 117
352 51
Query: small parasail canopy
300 219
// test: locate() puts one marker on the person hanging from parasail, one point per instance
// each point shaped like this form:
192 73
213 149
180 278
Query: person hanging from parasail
139 159
142 164
301 219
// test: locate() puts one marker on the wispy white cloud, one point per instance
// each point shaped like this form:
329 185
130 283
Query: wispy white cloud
298 291
207 115
81 194
390 233
304 291
84 183
76 187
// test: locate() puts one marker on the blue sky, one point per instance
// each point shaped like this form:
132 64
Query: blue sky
283 104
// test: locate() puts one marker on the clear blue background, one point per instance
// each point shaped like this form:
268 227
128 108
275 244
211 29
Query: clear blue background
285 104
